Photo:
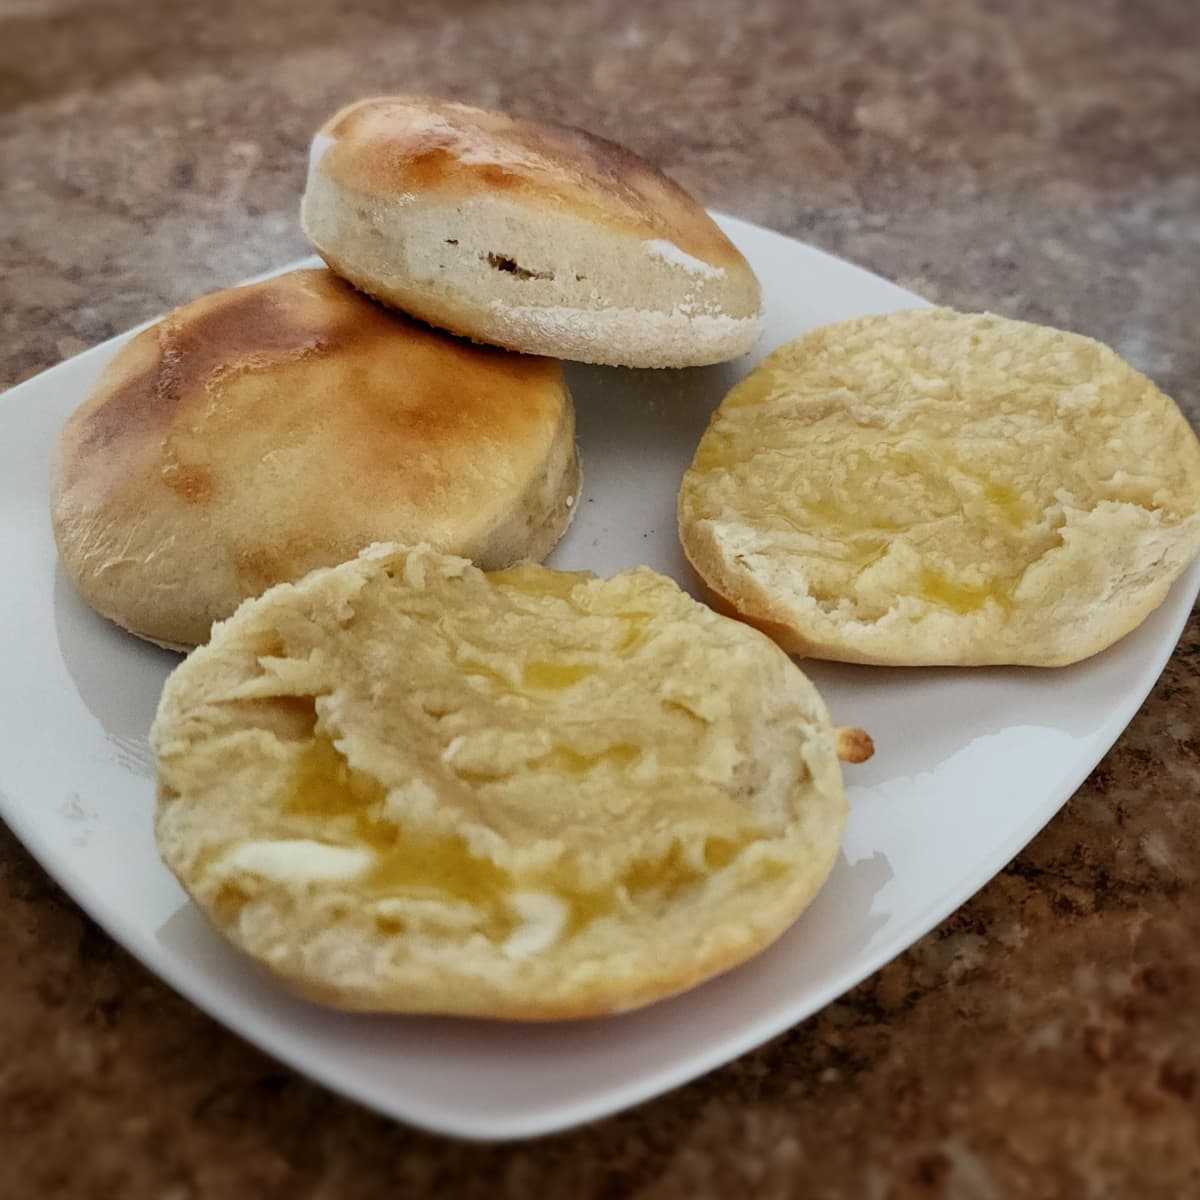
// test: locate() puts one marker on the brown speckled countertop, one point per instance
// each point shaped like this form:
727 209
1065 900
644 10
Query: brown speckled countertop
1037 159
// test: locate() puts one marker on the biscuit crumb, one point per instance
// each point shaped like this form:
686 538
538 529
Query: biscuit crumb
854 745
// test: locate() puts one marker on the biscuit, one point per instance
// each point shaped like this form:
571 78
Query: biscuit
405 785
262 431
525 234
931 487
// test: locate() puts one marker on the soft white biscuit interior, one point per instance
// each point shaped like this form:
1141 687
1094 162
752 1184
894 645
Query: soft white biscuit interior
406 785
553 284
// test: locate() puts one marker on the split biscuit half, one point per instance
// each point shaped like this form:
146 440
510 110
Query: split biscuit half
938 488
406 785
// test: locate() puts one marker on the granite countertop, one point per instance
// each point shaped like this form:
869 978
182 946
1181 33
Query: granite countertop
1036 159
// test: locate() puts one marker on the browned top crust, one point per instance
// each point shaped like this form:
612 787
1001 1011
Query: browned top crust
395 145
261 431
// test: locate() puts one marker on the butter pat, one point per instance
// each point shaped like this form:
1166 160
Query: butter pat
296 860
543 919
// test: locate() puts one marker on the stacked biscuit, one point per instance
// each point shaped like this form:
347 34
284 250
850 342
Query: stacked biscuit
415 771
260 432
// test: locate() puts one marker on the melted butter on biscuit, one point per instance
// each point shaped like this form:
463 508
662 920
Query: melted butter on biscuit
335 801
527 794
934 487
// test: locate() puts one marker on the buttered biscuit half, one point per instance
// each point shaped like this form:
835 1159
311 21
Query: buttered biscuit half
260 432
406 785
526 234
932 487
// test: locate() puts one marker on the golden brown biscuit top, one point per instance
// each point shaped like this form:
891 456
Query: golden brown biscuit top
394 376
173 365
301 387
393 145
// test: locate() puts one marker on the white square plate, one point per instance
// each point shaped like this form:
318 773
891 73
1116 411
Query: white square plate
970 764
